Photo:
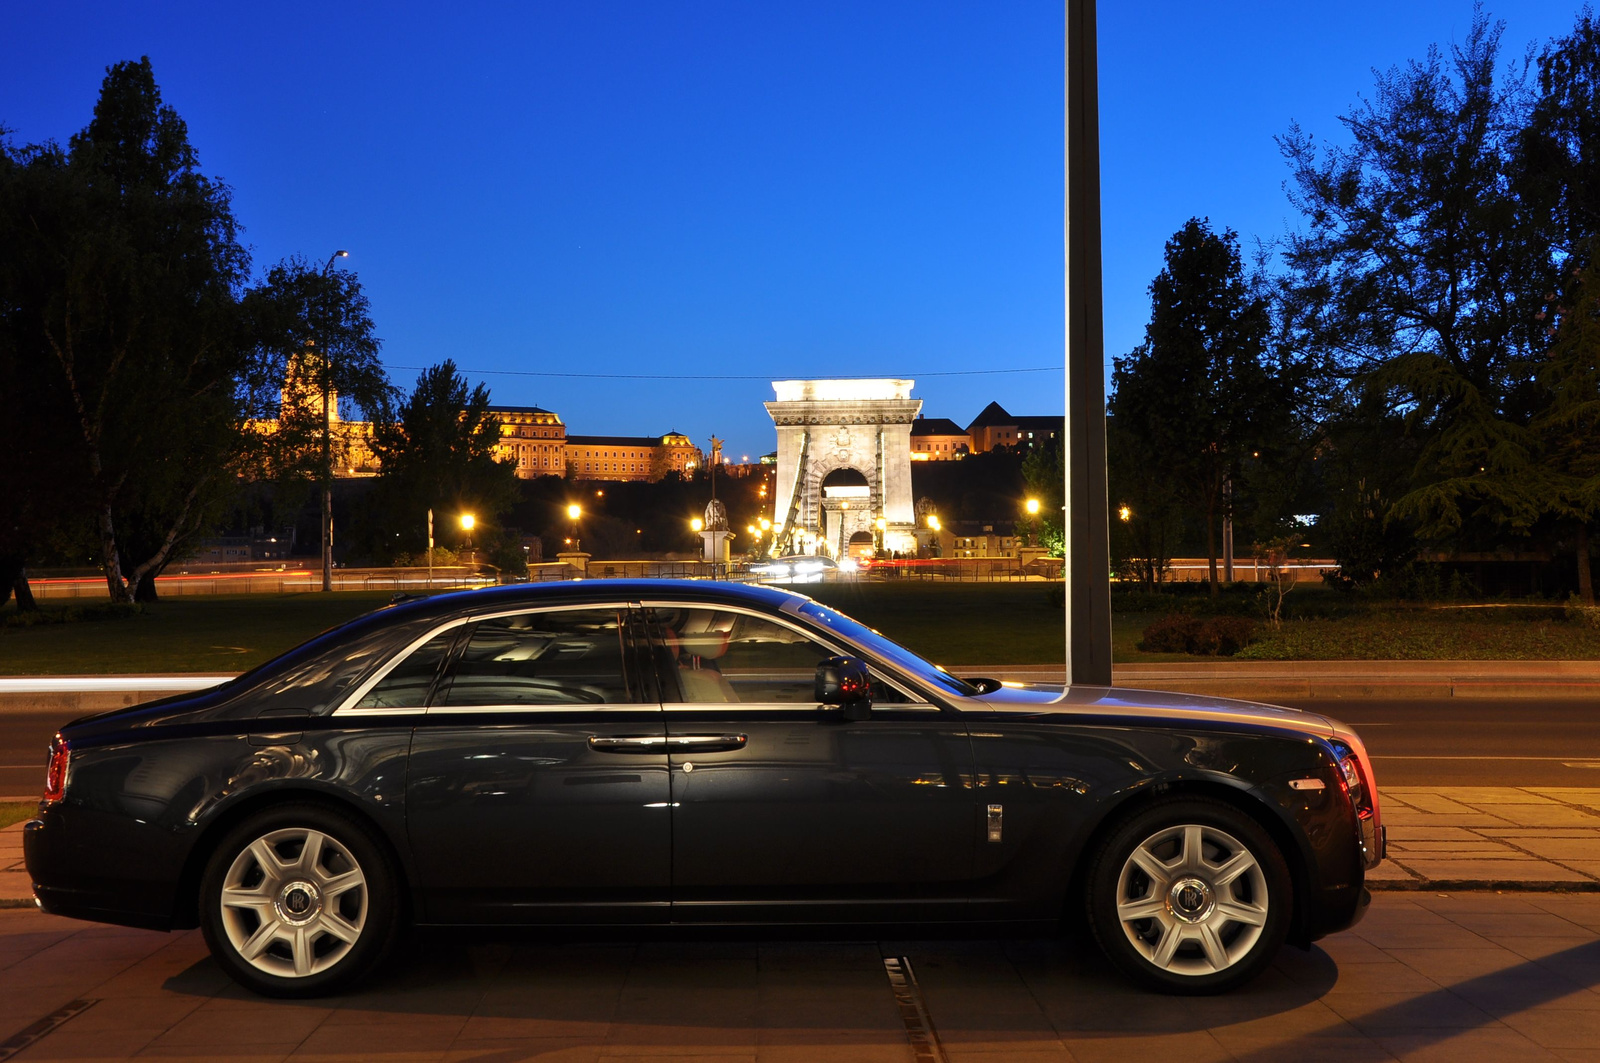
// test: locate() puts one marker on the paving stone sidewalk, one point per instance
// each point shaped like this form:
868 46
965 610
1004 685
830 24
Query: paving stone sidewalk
1425 978
15 890
1491 837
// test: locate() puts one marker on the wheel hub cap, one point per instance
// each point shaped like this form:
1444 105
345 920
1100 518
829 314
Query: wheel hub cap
1191 900
298 903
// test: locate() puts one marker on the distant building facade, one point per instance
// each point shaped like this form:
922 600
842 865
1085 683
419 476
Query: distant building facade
979 539
532 439
631 457
994 427
938 439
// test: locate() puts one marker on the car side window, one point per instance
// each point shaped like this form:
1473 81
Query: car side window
718 655
554 657
408 683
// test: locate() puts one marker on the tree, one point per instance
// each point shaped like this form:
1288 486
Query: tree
439 454
1566 428
318 342
121 311
1198 394
1557 157
1044 476
1415 279
1143 493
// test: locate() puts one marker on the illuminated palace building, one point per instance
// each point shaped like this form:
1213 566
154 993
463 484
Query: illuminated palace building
533 439
536 442
941 439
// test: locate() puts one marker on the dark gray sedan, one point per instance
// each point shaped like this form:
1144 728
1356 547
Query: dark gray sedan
638 753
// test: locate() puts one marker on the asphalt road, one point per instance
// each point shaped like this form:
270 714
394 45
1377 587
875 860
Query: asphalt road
1415 742
1475 741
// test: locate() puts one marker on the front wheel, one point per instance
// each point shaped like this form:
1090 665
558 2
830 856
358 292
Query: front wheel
1190 896
298 901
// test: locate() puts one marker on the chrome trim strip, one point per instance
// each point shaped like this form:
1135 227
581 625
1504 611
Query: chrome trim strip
1307 784
561 708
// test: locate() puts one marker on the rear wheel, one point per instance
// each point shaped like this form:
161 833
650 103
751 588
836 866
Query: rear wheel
299 900
1190 895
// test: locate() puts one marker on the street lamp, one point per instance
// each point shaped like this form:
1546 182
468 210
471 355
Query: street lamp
933 521
327 445
1032 506
1124 514
574 511
468 522
696 524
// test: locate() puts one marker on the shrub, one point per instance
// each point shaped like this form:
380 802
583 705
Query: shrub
1224 636
1579 613
1217 636
1173 633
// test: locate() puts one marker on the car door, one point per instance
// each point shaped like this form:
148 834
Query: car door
538 788
782 809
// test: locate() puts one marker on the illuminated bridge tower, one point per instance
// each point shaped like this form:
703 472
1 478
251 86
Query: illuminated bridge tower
844 462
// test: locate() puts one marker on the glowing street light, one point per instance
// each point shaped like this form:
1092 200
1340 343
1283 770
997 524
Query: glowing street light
1032 506
766 525
1124 513
574 511
933 521
696 524
880 524
468 522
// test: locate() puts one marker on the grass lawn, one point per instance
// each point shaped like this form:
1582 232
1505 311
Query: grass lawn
194 634
957 623
951 623
16 811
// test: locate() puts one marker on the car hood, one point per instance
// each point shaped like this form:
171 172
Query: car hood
1053 698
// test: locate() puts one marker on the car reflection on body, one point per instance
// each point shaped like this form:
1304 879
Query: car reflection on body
802 568
652 752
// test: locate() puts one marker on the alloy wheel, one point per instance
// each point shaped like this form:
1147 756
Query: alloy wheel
1192 899
294 902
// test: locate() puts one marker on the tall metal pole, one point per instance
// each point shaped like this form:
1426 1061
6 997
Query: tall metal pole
1088 567
327 444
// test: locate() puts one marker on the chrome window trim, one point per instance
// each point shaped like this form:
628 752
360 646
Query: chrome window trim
563 708
348 706
882 671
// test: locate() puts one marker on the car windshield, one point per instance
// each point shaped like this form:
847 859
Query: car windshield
882 648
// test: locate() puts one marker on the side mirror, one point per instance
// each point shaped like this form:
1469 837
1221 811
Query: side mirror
845 682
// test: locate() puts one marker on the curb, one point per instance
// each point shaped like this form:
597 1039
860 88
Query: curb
1479 885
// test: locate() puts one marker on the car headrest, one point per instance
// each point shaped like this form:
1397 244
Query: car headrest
707 644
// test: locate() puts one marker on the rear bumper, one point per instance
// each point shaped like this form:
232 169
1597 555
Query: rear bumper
69 882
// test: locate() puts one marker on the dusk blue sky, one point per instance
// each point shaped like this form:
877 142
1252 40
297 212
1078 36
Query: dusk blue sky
713 189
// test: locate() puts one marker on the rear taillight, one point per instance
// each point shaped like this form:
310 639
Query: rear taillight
55 773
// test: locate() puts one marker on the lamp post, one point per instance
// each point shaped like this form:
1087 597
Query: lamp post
327 445
574 511
468 522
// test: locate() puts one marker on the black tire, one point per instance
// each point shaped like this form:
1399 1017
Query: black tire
1209 916
314 931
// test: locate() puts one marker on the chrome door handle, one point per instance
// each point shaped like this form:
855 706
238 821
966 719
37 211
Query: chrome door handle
662 743
628 743
718 743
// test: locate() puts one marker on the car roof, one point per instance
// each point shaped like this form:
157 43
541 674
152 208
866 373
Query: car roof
581 590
